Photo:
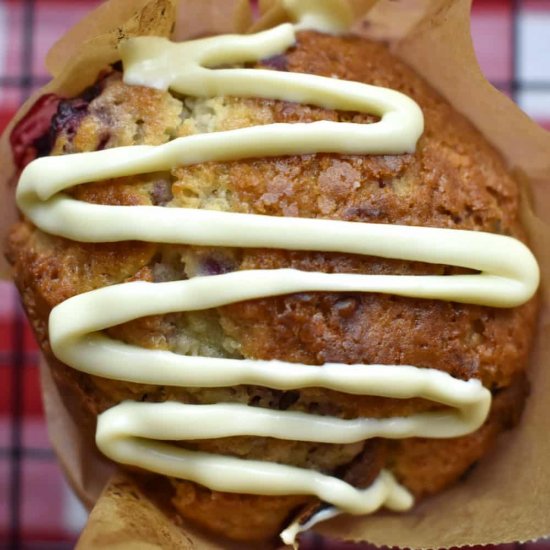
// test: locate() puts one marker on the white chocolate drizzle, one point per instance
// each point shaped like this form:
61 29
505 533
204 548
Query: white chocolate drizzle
384 489
137 433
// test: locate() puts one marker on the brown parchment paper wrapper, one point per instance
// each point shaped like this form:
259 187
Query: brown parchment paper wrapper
507 497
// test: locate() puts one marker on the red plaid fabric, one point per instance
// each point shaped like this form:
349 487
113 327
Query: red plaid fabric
37 509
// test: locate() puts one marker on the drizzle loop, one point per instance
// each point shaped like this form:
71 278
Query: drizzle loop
133 433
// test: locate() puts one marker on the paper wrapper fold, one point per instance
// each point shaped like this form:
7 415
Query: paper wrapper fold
507 497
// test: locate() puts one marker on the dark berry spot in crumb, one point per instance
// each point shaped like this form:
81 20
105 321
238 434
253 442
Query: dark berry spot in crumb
255 401
215 266
35 134
288 398
30 137
277 62
363 213
69 114
71 111
161 193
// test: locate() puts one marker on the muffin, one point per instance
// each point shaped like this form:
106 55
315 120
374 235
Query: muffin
453 179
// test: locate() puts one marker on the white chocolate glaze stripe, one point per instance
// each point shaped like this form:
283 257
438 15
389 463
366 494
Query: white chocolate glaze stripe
97 354
191 422
48 175
171 369
509 272
159 63
223 473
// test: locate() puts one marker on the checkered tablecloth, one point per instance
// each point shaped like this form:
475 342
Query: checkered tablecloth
37 510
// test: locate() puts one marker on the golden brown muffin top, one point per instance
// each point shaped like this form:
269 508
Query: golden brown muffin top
454 179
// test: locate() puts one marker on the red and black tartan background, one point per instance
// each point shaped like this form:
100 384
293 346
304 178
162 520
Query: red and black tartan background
37 511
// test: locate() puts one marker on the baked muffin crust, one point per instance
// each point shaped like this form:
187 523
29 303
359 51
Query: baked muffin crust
454 179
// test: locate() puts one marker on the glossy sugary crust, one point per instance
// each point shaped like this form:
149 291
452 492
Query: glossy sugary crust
454 179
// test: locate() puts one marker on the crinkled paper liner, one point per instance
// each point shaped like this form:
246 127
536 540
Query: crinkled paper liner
507 497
